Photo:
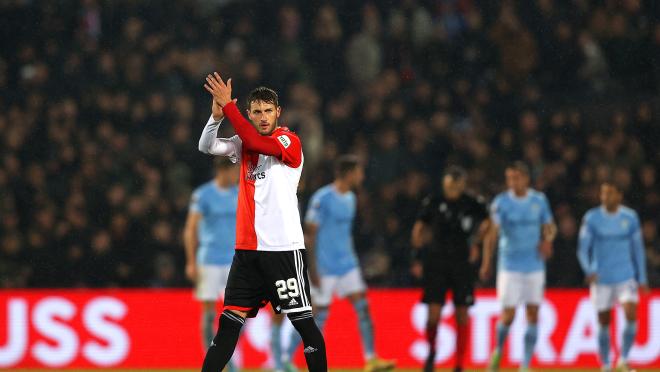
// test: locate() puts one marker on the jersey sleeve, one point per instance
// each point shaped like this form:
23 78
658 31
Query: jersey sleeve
196 202
425 213
585 246
639 255
496 212
480 208
314 213
546 211
291 149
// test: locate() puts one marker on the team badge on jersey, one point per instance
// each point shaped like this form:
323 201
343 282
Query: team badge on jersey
284 140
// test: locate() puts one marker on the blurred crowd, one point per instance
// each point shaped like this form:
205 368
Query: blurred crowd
101 107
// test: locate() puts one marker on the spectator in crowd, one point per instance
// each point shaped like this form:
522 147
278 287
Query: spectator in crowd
100 102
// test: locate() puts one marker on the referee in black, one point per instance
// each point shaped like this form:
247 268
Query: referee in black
450 227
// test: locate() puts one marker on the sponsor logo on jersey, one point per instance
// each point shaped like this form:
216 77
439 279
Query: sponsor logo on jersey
255 173
284 140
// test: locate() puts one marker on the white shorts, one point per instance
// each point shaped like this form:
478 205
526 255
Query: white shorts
342 285
517 288
211 282
605 296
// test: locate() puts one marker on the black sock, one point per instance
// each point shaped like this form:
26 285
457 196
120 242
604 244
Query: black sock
312 338
224 342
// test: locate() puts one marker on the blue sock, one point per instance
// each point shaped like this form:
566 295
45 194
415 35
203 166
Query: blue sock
366 327
604 344
502 332
530 340
208 326
319 318
276 345
629 333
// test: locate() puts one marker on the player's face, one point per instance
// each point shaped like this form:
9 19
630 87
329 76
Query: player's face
234 173
452 187
516 180
610 196
263 116
356 177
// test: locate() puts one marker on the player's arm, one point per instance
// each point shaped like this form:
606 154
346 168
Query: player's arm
311 229
478 239
548 230
191 242
548 235
210 144
420 234
248 134
584 251
639 258
489 246
313 218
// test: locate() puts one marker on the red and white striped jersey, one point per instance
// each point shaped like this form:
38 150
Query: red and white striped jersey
267 217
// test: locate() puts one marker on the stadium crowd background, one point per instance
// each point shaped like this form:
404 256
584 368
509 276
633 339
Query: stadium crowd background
101 107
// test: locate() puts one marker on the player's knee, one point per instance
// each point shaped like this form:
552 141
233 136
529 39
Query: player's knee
462 317
361 306
242 314
507 316
604 318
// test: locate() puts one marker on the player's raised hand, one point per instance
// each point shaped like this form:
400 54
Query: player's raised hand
220 91
216 111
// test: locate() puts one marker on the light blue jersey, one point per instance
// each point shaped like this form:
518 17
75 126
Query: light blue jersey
520 221
611 246
333 213
217 229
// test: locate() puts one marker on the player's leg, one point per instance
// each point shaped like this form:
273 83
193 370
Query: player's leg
207 291
531 334
463 295
434 312
462 336
435 285
628 296
321 298
604 319
509 290
602 297
276 341
223 344
359 301
289 292
534 284
243 293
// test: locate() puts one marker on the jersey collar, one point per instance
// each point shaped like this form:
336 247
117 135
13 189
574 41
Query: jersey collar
515 197
610 214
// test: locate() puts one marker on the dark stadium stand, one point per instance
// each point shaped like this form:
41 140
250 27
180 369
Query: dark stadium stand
101 107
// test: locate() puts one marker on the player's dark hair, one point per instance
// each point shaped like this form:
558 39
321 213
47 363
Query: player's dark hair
455 172
262 94
345 164
520 166
222 162
611 181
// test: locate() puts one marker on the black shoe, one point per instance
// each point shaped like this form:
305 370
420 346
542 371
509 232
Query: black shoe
429 365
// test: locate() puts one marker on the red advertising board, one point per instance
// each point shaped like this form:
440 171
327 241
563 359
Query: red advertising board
160 329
